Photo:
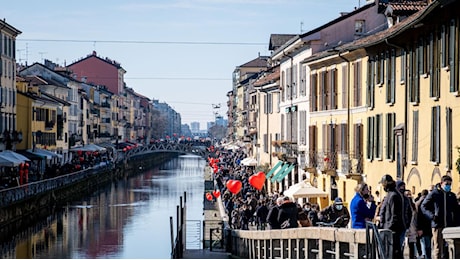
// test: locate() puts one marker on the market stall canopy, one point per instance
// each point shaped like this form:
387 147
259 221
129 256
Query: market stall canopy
304 190
46 153
88 148
11 159
249 162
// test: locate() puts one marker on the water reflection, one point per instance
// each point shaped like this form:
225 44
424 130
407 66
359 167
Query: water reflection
127 219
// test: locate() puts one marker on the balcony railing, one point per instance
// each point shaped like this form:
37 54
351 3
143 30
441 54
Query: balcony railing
333 162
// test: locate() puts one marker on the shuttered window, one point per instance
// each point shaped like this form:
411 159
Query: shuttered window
435 139
303 127
434 68
391 68
333 89
449 138
378 141
370 95
313 92
415 127
370 138
345 86
357 84
453 55
390 124
303 81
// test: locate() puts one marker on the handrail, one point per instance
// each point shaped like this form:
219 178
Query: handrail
376 239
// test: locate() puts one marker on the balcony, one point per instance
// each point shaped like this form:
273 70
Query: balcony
331 163
49 125
105 104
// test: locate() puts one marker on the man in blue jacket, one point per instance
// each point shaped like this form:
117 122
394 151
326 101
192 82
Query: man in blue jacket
441 207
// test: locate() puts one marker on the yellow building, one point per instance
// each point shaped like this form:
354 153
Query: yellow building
391 100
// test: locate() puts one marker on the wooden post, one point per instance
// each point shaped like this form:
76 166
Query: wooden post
171 229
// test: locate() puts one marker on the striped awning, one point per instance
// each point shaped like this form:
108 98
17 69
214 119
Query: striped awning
286 172
281 171
273 169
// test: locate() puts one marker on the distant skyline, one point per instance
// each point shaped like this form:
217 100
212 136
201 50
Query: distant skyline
181 52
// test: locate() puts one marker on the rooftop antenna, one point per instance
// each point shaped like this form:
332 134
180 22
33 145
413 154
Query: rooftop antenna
41 55
301 27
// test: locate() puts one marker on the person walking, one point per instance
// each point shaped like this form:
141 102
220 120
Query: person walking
272 217
407 210
391 213
360 213
423 227
441 207
287 215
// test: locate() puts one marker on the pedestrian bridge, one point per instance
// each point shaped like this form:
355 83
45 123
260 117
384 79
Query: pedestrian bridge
162 147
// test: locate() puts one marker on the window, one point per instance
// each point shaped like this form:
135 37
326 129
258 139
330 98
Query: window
358 141
303 127
345 86
294 81
313 92
449 138
391 68
333 89
378 136
324 91
415 137
434 68
370 84
288 88
435 139
312 145
303 81
360 27
357 84
283 85
413 77
403 65
453 61
343 144
390 124
370 138
265 143
444 38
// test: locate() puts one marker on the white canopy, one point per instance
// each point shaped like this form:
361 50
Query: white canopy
248 162
304 190
11 159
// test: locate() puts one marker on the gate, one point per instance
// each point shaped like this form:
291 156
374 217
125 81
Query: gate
193 234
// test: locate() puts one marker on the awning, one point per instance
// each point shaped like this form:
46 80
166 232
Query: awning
286 172
274 177
47 153
274 169
11 159
32 156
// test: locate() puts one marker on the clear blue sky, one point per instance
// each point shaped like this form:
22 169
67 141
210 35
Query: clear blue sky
182 52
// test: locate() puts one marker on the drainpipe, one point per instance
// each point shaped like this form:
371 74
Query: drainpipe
406 111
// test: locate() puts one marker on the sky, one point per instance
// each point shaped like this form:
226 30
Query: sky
181 52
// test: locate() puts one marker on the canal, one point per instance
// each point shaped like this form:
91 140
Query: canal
128 219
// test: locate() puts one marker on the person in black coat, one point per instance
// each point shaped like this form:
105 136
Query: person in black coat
261 214
287 215
441 207
272 217
391 213
423 227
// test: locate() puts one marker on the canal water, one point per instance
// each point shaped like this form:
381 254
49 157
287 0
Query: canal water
128 219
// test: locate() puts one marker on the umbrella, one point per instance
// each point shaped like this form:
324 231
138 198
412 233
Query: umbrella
249 162
304 190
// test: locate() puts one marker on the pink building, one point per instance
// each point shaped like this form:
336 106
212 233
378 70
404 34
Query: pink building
99 71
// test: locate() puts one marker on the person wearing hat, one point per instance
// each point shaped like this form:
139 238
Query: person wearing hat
391 213
336 213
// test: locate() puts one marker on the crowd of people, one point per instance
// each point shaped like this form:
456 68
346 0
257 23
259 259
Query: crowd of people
414 222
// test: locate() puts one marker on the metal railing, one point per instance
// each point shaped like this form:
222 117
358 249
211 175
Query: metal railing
375 248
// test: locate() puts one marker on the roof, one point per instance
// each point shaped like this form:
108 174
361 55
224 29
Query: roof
403 7
94 55
379 37
269 77
8 28
278 40
260 61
